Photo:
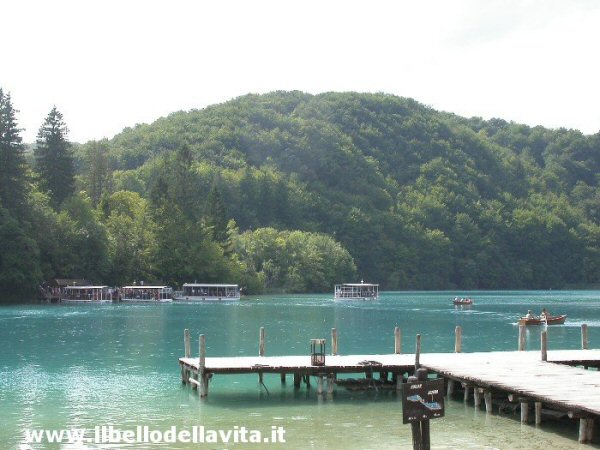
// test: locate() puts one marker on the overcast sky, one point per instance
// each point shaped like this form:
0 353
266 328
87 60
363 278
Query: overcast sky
110 64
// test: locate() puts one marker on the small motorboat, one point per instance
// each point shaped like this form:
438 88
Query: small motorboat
541 320
462 301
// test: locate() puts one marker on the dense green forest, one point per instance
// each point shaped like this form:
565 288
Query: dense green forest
295 192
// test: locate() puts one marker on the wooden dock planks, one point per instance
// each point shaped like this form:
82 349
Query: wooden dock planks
522 373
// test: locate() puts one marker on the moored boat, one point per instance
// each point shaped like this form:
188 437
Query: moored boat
86 294
541 320
356 291
146 294
462 301
202 292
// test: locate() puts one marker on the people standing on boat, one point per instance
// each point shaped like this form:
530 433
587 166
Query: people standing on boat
529 315
544 314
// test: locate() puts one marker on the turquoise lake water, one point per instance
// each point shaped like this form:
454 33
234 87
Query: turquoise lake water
84 366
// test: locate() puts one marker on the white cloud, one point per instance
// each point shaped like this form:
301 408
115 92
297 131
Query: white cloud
111 64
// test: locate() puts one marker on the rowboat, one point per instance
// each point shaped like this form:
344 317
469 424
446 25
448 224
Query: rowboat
462 301
549 320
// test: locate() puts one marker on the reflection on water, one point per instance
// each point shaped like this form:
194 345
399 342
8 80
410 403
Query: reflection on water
83 366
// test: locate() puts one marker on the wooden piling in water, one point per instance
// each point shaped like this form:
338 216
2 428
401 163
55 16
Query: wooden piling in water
584 336
203 378
320 385
477 397
187 343
334 341
544 343
586 429
418 353
397 341
330 383
524 411
458 339
450 388
538 413
187 350
261 349
261 341
489 405
297 380
521 338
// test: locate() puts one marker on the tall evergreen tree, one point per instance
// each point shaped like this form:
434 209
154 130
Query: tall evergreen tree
54 158
13 169
215 216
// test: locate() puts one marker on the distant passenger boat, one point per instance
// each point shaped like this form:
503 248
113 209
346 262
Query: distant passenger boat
86 294
194 292
147 294
356 291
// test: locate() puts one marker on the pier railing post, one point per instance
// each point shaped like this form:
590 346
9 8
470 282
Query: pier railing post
544 345
187 345
521 338
418 353
584 336
261 341
458 339
261 349
397 341
334 341
203 378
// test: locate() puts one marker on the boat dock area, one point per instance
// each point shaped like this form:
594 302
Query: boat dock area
557 380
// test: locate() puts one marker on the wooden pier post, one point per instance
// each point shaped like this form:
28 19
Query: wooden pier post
538 413
203 378
586 429
521 338
320 385
458 339
187 350
476 397
544 345
297 380
584 336
397 341
418 353
466 392
450 388
261 349
187 343
330 383
334 341
261 341
489 405
524 411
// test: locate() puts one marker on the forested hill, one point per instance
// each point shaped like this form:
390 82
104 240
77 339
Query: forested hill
323 189
421 199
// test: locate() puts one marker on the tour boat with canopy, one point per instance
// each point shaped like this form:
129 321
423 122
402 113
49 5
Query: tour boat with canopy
147 294
203 292
356 291
86 294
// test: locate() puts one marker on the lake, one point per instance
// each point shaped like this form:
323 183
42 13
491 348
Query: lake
85 366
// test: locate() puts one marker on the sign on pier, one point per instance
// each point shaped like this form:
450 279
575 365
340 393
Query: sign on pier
422 400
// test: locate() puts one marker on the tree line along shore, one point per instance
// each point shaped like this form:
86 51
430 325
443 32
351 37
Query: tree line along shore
296 192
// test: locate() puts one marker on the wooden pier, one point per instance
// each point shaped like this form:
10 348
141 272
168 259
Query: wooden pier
549 380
